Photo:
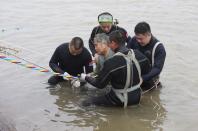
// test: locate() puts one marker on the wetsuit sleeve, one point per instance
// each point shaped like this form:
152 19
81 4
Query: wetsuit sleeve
103 77
132 44
54 62
160 56
91 41
88 63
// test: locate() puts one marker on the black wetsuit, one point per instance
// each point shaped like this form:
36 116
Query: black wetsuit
115 72
97 30
63 61
159 59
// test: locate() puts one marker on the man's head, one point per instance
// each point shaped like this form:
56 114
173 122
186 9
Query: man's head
116 40
101 42
143 33
105 20
76 46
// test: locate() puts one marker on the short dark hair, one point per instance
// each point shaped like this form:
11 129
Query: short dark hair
142 28
118 37
77 43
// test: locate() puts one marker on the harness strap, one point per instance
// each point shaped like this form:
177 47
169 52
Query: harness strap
153 52
122 94
137 66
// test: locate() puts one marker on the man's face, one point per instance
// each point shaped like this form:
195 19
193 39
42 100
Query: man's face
74 51
112 45
100 48
106 27
143 39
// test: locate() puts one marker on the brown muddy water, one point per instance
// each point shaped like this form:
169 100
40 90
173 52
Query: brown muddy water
37 27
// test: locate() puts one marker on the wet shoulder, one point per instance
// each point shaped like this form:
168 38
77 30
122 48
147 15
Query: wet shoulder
86 52
115 60
155 41
95 28
63 46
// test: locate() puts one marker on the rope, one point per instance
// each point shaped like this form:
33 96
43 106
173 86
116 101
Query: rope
6 51
32 66
154 86
27 61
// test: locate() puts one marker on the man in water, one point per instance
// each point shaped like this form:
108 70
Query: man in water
106 26
122 70
70 59
103 51
154 50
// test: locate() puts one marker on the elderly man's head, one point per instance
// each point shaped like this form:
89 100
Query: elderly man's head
101 42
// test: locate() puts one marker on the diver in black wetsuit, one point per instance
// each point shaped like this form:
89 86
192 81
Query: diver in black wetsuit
122 70
106 26
153 49
70 59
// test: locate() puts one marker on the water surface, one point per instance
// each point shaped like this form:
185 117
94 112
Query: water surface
37 27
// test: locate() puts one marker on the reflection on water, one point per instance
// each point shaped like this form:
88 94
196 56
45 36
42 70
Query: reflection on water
147 116
6 124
